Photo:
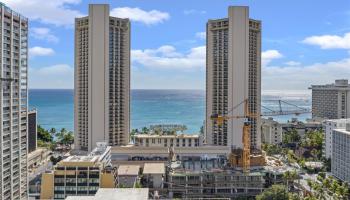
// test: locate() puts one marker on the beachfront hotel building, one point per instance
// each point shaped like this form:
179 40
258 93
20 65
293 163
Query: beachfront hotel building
331 101
14 104
102 79
233 75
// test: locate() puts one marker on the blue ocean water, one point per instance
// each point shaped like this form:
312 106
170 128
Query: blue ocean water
187 107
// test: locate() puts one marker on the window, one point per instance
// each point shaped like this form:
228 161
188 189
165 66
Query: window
59 188
94 180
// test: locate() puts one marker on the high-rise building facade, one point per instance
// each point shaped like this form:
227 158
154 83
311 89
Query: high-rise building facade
32 131
331 101
328 128
340 162
233 76
102 79
13 96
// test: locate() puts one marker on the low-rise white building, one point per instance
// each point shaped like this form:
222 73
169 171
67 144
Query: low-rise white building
328 127
182 140
340 167
271 131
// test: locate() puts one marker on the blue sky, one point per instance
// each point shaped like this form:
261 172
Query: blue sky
304 42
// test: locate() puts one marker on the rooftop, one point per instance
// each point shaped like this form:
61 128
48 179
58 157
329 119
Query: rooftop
115 193
81 159
338 84
165 136
154 168
129 170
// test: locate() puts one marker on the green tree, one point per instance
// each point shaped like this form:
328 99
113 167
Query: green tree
275 192
289 177
53 131
291 137
271 149
68 139
60 134
145 130
44 135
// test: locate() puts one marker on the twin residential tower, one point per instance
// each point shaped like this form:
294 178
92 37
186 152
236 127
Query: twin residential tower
233 76
102 79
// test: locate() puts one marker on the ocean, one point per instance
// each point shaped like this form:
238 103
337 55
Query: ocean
187 107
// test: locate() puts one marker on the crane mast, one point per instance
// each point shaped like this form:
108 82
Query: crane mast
248 116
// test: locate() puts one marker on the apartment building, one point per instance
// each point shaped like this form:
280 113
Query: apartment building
328 127
102 79
181 140
79 175
14 104
340 166
233 76
271 131
331 101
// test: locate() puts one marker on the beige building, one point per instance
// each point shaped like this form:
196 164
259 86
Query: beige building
181 140
271 131
128 175
233 75
331 101
154 174
79 175
102 79
14 104
37 157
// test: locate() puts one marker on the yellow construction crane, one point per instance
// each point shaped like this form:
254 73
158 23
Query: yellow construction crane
246 151
246 132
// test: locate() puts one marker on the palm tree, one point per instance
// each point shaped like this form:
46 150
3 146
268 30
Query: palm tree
145 130
68 139
60 135
53 131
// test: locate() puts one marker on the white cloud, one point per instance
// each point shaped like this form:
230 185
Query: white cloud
269 55
329 41
57 76
139 15
166 57
301 77
43 34
40 51
201 35
293 63
56 12
194 11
